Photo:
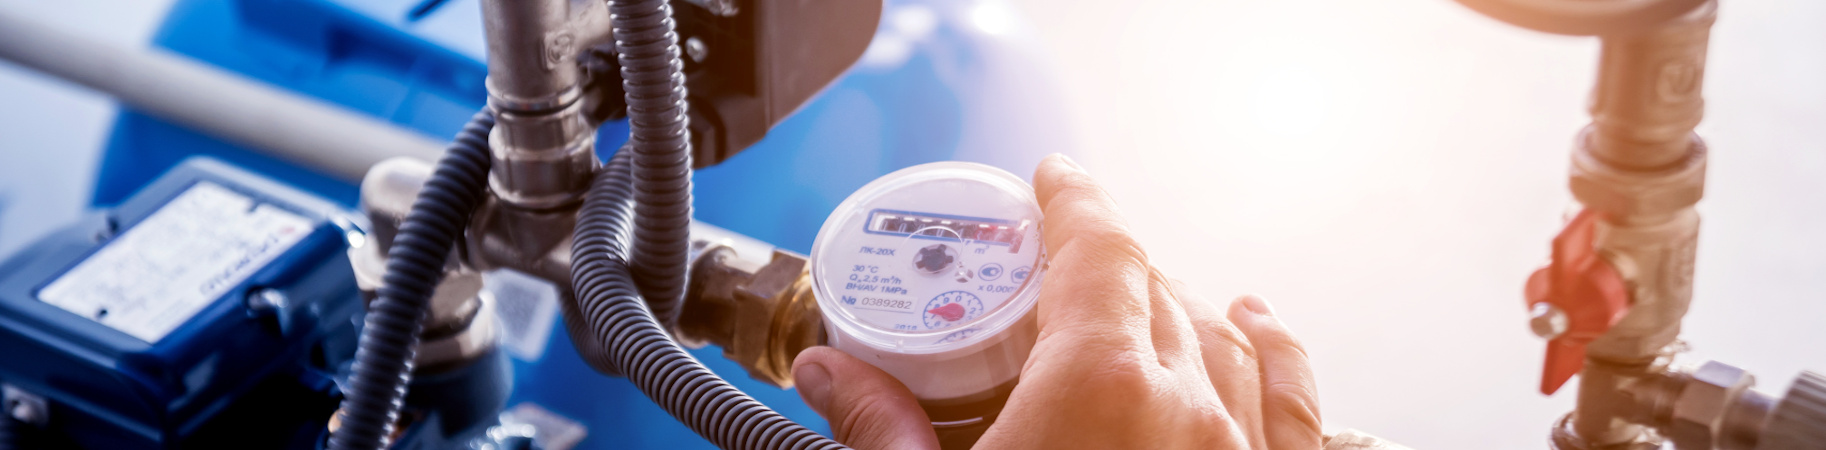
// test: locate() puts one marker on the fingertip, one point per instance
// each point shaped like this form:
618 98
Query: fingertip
1058 173
1256 304
867 408
1057 162
813 380
1290 400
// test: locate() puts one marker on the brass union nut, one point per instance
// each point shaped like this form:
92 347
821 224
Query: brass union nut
1700 409
1629 192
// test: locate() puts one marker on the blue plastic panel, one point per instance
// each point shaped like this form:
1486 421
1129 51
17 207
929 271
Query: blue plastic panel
109 389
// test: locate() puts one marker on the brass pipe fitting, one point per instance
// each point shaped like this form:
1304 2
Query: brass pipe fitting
1641 166
1647 98
762 315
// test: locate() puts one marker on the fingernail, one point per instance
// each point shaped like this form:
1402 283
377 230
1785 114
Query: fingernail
1257 305
814 383
1069 162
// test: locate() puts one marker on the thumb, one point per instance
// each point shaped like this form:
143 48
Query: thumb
868 409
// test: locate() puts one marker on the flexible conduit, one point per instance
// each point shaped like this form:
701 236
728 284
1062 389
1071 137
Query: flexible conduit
653 78
638 345
415 264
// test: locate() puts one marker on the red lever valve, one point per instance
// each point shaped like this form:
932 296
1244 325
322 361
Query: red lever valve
1574 300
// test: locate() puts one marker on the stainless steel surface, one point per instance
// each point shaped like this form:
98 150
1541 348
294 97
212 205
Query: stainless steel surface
387 193
306 131
464 344
536 243
542 161
1648 100
458 326
1547 321
544 152
532 46
1699 412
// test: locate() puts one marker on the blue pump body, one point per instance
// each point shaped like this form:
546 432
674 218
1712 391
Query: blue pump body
227 376
936 84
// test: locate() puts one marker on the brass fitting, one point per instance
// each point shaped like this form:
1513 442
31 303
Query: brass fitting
1623 192
762 315
1647 99
1640 165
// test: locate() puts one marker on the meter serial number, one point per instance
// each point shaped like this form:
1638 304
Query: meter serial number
885 303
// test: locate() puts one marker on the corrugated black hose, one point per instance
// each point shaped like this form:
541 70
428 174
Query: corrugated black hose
415 264
650 192
644 194
638 345
653 78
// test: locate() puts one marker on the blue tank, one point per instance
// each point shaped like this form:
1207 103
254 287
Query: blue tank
942 80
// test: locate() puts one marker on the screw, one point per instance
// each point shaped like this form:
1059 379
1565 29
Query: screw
696 49
266 300
24 406
1547 321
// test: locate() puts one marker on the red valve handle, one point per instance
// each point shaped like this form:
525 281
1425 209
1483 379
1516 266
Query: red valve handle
1586 289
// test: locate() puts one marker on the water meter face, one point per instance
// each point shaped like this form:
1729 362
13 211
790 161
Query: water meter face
930 258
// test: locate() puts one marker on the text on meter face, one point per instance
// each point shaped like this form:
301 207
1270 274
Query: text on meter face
966 230
921 271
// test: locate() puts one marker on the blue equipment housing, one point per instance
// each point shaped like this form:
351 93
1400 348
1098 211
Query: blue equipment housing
938 83
218 379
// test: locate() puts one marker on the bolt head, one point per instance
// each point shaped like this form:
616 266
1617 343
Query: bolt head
266 300
1702 404
1547 321
696 49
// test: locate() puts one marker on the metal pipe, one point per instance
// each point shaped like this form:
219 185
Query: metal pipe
1641 166
332 139
544 148
1647 99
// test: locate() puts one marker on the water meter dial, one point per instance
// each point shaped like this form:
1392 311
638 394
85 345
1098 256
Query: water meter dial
931 274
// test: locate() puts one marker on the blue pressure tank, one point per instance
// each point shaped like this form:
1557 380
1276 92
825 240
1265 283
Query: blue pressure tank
942 80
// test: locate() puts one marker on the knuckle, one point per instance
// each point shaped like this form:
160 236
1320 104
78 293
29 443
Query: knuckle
1273 338
864 421
1294 403
1111 240
1217 333
1125 375
1074 186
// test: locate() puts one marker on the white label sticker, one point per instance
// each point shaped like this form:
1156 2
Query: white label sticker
164 270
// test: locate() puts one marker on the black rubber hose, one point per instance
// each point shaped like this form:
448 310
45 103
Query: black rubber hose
653 78
638 345
415 265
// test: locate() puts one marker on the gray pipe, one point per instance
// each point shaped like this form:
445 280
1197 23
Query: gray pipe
303 130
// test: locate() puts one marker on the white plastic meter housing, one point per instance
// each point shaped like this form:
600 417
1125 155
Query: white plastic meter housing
931 273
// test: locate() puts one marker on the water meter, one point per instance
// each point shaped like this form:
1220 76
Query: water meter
931 273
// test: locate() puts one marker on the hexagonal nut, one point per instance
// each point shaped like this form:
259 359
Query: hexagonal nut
453 302
1626 192
1702 404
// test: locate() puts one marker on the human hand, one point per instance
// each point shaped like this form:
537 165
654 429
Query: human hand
1126 358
